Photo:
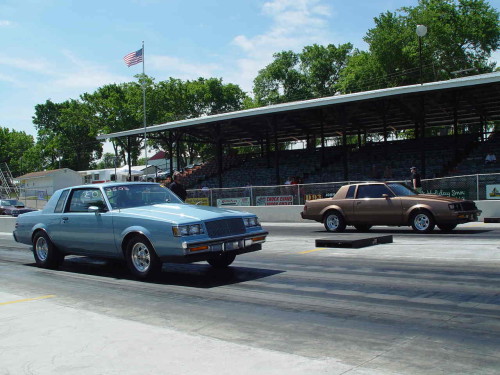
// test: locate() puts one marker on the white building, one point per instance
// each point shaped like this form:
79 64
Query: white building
46 182
110 174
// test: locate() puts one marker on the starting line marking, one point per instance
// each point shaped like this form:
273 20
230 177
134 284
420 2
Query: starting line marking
27 299
310 251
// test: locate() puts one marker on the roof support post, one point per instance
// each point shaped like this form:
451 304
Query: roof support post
276 151
178 151
128 159
218 147
422 136
171 152
359 138
268 150
322 138
343 122
455 125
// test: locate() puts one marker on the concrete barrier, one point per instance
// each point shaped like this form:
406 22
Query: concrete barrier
286 214
7 224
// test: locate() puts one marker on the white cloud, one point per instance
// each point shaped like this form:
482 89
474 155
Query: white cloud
174 67
5 23
31 65
295 24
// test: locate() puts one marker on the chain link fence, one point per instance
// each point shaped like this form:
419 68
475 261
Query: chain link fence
474 187
33 198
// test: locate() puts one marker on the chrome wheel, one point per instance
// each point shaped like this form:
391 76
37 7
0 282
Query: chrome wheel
422 222
141 257
42 249
332 221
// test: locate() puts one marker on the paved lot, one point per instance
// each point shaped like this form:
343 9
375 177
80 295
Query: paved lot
421 305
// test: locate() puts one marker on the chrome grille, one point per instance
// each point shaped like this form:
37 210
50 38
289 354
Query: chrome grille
225 227
468 206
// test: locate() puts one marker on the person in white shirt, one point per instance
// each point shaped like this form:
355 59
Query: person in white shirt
490 158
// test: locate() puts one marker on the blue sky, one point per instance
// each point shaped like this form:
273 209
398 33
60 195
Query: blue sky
59 49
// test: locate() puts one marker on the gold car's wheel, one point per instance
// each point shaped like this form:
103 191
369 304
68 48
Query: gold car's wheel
334 221
141 258
422 222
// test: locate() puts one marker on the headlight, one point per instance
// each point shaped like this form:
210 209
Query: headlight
187 230
454 206
251 221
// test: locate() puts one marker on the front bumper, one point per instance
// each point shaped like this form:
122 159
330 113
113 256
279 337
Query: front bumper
195 251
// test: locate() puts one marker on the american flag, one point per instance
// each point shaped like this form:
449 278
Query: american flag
133 58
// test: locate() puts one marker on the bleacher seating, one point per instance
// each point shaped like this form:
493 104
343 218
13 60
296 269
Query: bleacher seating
474 162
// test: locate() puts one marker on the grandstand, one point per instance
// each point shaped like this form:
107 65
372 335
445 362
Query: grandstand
465 107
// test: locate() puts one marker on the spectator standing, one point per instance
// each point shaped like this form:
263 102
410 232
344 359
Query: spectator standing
177 187
415 179
490 158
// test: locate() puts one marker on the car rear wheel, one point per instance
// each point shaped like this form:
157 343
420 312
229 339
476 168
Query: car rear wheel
45 253
422 222
363 227
222 260
141 258
334 221
447 227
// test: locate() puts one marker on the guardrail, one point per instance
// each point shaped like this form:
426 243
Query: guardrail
474 187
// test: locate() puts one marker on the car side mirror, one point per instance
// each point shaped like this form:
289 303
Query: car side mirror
386 196
93 209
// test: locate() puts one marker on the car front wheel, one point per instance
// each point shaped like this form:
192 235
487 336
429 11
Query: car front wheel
141 258
422 222
45 253
222 260
334 222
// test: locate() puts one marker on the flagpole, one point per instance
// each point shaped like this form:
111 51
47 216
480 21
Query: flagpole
144 108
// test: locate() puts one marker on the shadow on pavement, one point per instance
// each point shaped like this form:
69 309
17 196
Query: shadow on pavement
190 275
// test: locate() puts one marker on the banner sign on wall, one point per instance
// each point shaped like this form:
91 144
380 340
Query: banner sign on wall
199 201
274 200
454 193
311 197
245 201
492 191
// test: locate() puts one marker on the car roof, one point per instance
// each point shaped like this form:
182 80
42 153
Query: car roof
111 184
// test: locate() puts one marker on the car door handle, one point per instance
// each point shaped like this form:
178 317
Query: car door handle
359 202
65 219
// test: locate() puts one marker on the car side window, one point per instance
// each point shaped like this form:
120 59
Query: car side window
350 192
81 199
373 191
60 202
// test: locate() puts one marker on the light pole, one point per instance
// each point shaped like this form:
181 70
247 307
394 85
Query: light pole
421 31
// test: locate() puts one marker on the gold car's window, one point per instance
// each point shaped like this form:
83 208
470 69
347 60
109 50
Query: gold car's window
373 191
350 192
82 199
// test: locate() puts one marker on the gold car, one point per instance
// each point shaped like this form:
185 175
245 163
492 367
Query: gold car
367 204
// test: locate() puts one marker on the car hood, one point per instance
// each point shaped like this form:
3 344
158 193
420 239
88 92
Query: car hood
432 197
181 213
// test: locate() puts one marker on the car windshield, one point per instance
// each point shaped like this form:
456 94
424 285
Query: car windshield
11 202
401 190
136 195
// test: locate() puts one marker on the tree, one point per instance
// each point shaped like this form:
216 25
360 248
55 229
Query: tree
297 76
461 37
67 133
13 146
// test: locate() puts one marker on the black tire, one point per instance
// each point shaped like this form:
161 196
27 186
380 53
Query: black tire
141 258
363 227
422 221
334 221
447 227
222 260
45 253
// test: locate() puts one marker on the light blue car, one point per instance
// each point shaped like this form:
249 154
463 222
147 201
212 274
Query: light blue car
143 223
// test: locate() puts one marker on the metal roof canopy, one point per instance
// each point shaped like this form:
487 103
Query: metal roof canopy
469 100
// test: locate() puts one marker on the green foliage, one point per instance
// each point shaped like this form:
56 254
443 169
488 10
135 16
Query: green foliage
461 37
13 145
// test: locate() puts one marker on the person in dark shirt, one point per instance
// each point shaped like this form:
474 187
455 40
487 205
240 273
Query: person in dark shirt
177 187
415 179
